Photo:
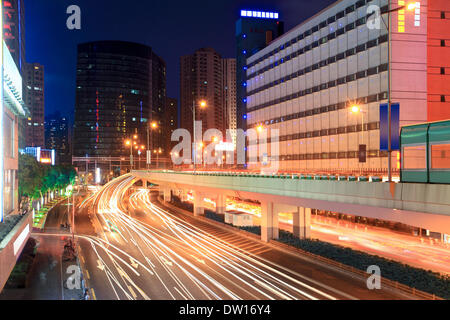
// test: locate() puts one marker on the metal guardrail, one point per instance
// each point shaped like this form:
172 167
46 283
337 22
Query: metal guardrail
393 284
294 176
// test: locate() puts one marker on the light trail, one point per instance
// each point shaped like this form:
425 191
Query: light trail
185 260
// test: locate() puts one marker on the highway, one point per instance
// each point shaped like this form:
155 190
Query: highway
416 251
134 249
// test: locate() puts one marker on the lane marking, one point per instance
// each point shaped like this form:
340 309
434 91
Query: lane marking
132 292
93 294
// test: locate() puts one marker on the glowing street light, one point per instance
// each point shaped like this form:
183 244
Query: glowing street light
260 128
355 109
203 104
411 6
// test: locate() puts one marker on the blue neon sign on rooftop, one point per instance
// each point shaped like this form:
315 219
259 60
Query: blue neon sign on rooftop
259 14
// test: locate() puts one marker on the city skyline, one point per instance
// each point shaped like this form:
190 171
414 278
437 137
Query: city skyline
59 59
225 151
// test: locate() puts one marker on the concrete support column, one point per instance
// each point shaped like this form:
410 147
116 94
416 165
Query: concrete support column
302 223
167 195
199 208
275 227
221 203
307 225
183 196
267 221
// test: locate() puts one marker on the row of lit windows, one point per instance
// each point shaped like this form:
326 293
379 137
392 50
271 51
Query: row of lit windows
325 109
316 28
330 155
324 63
326 132
360 48
324 86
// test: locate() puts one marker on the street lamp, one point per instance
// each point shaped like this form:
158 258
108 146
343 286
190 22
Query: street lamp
202 105
131 143
153 126
410 6
355 109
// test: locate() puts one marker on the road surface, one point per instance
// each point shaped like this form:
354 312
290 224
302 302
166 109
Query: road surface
134 249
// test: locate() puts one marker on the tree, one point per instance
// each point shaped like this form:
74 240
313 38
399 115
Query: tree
36 179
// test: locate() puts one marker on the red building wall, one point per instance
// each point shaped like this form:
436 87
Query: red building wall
438 60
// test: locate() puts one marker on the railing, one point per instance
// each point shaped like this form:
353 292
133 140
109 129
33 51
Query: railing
393 284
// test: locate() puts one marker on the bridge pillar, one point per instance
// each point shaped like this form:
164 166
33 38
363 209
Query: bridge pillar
221 204
183 196
275 227
167 195
199 208
267 214
302 223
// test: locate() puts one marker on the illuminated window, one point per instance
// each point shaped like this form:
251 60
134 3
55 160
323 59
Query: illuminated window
440 156
414 158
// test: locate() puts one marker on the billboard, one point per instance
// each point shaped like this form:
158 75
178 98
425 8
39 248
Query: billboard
395 127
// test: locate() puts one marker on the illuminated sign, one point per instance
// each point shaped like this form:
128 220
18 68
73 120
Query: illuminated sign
259 14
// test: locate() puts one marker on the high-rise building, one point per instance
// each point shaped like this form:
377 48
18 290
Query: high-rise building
57 138
120 91
229 96
306 82
254 31
35 101
12 110
14 37
14 30
438 52
202 79
171 123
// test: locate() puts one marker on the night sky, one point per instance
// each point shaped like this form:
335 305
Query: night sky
171 28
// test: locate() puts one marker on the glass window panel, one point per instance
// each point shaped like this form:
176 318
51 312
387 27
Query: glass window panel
414 158
440 156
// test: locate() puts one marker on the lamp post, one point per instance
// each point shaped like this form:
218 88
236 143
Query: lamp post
153 126
131 142
202 105
410 6
355 110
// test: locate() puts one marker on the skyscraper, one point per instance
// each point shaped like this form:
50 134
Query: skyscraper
322 83
35 101
57 138
120 91
171 123
254 31
229 96
201 79
14 30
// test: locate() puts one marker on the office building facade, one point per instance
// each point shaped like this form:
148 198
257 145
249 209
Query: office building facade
57 138
229 96
34 96
254 31
14 30
171 123
201 77
120 91
305 82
